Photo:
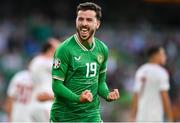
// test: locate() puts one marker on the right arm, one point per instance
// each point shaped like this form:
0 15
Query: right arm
134 107
60 90
59 70
137 90
11 93
8 107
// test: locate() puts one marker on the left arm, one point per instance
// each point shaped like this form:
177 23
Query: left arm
164 88
103 90
167 105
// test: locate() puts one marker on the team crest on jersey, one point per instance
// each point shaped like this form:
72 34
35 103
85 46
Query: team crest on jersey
100 58
56 63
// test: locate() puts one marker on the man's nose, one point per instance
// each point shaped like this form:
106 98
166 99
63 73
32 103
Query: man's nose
84 23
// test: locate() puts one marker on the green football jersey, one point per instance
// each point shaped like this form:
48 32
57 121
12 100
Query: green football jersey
79 69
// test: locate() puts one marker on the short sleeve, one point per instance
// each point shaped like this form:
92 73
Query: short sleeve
12 86
35 70
60 64
103 67
138 81
164 81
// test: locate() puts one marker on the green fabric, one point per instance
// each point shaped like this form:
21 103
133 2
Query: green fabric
79 69
60 90
103 90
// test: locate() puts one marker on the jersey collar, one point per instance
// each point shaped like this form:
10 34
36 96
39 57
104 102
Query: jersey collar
82 46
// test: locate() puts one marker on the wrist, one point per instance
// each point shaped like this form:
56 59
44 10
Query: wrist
78 98
107 98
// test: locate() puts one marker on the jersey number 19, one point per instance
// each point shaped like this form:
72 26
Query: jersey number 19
91 69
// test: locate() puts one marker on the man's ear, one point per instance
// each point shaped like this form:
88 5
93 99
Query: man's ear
98 24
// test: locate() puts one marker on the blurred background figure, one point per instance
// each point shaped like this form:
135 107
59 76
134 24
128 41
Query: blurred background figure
151 98
40 70
18 97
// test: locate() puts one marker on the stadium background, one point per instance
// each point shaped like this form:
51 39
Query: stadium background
128 28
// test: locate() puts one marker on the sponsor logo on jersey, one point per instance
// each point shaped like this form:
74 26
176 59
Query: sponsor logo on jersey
77 58
100 58
56 63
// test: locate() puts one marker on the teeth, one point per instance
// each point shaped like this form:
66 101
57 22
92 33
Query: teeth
84 29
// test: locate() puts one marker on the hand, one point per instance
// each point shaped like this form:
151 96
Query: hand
114 95
86 96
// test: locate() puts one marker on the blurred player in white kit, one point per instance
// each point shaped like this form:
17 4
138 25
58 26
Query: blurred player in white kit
19 97
40 69
151 87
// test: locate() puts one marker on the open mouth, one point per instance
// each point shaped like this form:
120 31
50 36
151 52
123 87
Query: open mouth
84 31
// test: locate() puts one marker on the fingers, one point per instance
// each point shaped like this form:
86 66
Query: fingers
86 96
86 92
89 96
114 95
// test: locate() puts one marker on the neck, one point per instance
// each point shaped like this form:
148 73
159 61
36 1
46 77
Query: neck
47 55
87 43
153 61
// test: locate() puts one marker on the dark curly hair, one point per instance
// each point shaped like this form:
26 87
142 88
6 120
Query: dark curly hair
90 6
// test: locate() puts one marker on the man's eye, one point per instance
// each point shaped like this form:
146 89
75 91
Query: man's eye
89 19
80 19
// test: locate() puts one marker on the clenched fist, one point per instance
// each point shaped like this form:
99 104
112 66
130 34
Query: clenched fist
86 96
114 95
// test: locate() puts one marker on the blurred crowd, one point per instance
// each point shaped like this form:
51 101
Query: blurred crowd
22 38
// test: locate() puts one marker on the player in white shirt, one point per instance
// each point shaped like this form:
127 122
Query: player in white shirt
151 98
40 68
18 97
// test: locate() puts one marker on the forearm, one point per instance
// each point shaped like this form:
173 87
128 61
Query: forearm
167 105
8 107
62 91
170 116
45 97
134 107
168 110
103 90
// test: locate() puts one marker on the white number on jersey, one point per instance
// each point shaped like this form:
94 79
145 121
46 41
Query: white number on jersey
91 69
24 93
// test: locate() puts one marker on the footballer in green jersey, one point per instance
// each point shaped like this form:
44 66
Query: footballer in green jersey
79 71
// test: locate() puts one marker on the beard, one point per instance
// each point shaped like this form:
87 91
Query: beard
85 38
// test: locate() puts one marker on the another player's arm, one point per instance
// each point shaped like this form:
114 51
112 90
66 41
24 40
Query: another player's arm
103 90
134 107
41 96
164 87
8 107
10 97
137 90
60 67
167 105
45 97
